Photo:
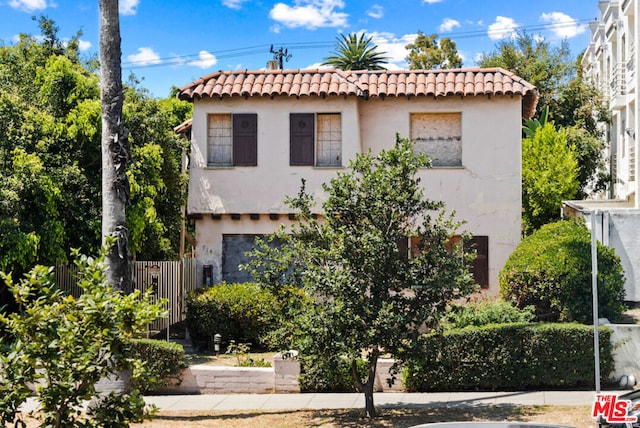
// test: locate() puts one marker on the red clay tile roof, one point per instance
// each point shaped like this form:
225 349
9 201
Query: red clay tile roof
365 84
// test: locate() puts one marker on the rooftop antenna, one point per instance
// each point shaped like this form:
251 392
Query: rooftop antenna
280 55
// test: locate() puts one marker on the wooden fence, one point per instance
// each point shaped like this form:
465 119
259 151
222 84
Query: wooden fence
170 280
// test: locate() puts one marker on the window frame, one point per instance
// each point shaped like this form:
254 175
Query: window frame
244 140
305 141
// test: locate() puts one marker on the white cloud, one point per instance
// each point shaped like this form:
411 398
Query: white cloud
29 5
310 14
83 45
502 28
563 25
145 56
376 11
431 1
448 25
394 47
233 4
128 7
205 60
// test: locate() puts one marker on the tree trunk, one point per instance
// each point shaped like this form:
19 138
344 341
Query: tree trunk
367 387
115 150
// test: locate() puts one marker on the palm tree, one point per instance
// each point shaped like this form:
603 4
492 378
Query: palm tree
115 149
356 53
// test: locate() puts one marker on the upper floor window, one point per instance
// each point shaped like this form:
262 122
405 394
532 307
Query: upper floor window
439 135
315 139
232 140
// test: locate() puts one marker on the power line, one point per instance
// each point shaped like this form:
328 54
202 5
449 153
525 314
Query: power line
264 48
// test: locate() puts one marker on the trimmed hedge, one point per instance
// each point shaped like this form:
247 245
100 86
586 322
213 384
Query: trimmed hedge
511 357
162 361
243 312
551 270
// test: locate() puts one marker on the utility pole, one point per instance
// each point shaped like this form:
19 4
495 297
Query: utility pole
280 55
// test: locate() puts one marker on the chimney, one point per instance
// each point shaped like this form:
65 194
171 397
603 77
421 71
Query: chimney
272 65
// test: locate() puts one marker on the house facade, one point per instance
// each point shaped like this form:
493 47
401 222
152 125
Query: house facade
611 64
257 134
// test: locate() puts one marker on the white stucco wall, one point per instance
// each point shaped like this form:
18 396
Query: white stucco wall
623 238
262 189
485 192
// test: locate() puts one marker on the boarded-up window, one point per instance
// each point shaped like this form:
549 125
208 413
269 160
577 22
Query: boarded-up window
232 140
234 249
234 253
315 139
439 135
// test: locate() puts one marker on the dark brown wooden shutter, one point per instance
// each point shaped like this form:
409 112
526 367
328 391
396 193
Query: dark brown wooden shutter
301 138
480 267
245 139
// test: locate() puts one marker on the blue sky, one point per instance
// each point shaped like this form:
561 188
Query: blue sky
171 43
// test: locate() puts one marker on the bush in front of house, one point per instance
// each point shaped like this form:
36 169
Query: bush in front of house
242 312
162 360
486 312
328 373
510 357
551 270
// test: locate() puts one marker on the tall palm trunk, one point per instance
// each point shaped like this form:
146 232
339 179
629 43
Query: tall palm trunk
115 149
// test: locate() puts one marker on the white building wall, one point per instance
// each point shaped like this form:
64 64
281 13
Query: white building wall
485 191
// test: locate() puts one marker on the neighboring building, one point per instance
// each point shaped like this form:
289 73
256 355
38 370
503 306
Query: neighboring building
256 134
611 63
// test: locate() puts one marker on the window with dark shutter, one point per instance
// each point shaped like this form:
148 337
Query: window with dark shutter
301 139
480 267
245 139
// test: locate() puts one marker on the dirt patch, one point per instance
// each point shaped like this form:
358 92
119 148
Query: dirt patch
575 416
227 360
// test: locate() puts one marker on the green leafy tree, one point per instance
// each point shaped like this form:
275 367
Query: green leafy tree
50 122
535 60
549 176
565 99
427 53
371 297
65 345
353 52
158 183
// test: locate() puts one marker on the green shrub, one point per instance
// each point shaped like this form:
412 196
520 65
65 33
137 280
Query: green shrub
162 361
486 312
65 345
509 357
242 312
551 270
328 374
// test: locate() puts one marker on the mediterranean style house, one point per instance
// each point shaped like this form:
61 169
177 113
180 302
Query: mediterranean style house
256 134
611 63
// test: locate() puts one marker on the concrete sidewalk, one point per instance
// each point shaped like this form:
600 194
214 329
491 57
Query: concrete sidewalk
356 400
224 402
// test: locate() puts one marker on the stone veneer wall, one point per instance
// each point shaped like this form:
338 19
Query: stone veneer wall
281 378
